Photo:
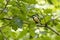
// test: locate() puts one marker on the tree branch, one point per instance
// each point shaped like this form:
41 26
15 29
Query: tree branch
5 6
6 19
46 25
53 30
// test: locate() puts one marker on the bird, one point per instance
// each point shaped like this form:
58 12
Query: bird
36 18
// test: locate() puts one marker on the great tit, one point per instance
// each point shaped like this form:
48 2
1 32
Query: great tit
36 18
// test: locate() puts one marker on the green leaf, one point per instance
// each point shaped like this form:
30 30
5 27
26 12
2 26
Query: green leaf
43 21
31 29
47 19
16 23
13 35
1 1
30 1
57 38
58 27
6 31
1 37
14 26
50 1
23 33
48 11
45 38
32 32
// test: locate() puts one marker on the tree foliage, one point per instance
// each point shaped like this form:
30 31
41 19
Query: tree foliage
16 22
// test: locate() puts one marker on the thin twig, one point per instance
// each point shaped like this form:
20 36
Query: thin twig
5 6
53 30
6 19
4 36
46 25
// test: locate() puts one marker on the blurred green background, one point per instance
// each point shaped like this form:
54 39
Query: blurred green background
16 22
